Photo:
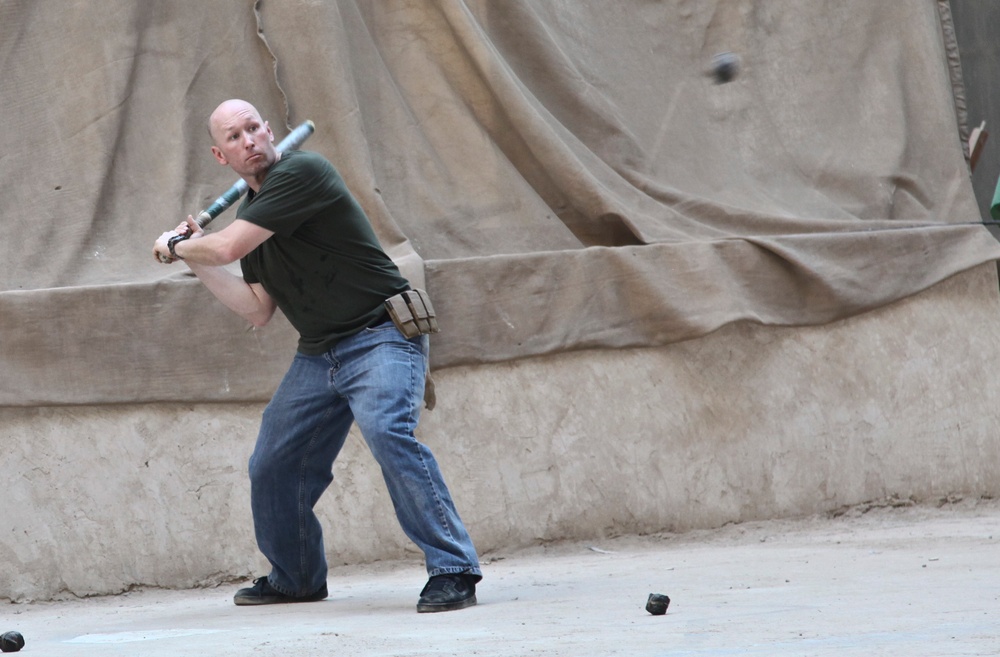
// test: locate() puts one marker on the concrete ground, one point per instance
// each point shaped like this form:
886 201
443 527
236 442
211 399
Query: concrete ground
880 579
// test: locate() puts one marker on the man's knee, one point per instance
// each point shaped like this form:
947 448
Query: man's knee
260 468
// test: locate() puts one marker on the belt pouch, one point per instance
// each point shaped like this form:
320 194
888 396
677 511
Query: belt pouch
412 313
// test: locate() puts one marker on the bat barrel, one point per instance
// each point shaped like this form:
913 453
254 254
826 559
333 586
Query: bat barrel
297 136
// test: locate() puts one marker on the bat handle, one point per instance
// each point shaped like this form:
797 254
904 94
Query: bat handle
220 204
203 219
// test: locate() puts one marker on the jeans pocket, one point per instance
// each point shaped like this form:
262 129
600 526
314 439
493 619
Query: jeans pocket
380 327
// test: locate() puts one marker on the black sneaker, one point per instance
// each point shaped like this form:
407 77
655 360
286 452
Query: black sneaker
447 593
262 593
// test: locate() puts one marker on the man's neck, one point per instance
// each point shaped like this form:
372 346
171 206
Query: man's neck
254 182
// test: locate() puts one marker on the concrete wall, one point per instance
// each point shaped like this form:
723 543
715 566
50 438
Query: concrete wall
749 423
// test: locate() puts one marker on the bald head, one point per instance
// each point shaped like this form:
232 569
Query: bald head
242 140
226 114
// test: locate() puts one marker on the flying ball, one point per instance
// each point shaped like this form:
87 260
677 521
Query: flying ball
725 67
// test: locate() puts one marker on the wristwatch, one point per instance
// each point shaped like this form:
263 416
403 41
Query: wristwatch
172 241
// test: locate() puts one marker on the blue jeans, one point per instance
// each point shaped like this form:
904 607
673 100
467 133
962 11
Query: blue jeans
375 378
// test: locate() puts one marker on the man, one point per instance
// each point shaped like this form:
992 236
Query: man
305 246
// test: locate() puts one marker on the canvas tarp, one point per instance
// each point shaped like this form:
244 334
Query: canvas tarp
559 174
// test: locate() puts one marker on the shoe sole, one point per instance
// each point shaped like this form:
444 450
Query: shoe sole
249 602
252 601
431 608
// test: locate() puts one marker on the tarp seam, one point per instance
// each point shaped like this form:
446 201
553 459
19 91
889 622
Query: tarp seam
955 71
274 58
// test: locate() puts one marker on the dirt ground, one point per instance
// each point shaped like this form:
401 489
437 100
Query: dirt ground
879 579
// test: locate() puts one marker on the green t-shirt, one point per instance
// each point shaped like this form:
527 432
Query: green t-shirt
323 266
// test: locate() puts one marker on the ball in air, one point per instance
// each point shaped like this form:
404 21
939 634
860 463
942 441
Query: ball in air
725 67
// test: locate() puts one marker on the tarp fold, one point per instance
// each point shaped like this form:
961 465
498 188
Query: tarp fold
558 174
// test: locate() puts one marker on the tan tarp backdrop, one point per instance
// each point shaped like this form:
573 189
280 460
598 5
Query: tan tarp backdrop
560 174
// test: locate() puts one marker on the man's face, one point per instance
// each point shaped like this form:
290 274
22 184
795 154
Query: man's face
243 141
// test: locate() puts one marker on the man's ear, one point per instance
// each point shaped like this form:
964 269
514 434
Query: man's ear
270 133
219 157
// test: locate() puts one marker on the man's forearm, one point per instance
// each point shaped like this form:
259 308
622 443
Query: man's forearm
208 250
189 242
249 302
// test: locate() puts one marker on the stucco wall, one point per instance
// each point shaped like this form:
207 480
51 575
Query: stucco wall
750 422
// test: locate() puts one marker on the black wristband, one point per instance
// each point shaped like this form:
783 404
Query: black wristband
172 241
